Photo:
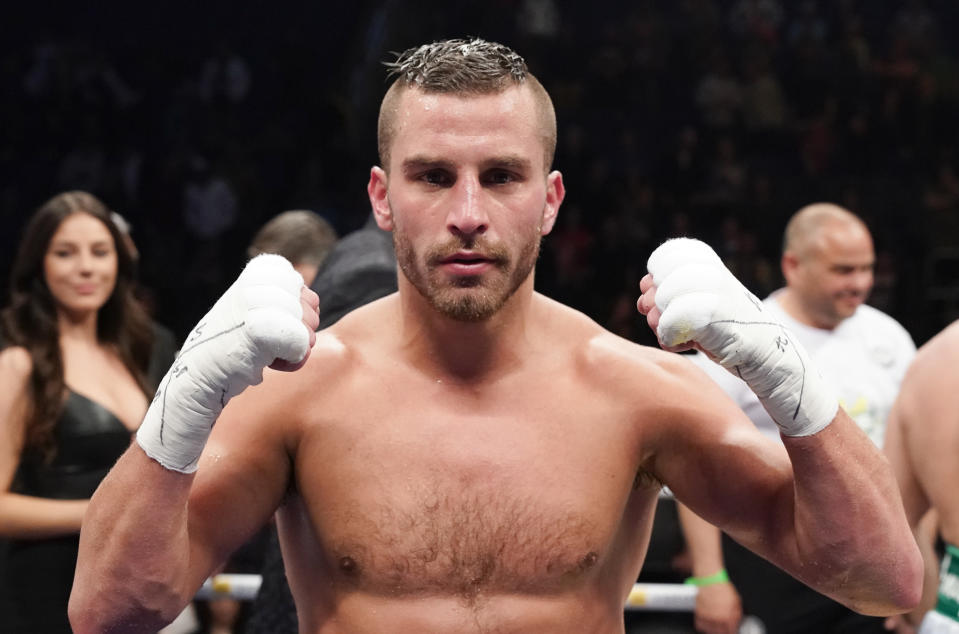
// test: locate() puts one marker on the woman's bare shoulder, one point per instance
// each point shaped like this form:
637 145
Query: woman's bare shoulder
15 368
15 364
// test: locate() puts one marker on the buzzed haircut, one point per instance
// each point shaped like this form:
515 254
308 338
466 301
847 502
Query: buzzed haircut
462 67
302 237
805 224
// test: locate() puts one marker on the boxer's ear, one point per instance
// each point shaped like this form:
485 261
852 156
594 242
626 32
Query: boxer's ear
790 266
555 192
378 190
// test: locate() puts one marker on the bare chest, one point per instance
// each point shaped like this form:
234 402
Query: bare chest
467 495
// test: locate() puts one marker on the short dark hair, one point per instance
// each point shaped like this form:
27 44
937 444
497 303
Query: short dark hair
467 66
462 67
301 236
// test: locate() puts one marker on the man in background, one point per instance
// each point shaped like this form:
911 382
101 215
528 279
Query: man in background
302 237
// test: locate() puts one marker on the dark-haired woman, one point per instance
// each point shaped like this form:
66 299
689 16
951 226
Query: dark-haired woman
73 388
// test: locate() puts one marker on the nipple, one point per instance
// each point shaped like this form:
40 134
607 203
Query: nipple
588 560
347 565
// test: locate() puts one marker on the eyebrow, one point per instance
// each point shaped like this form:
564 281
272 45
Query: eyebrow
65 242
420 162
510 162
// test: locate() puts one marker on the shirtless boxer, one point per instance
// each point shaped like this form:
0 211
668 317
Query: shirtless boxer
922 442
467 455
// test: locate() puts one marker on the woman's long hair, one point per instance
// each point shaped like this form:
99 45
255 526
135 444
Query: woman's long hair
30 319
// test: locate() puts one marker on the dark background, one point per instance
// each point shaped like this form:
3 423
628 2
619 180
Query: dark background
711 118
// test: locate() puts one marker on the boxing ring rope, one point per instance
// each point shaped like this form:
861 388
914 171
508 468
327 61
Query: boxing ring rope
665 597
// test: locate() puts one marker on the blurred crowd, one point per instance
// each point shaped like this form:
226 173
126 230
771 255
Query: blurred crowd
711 118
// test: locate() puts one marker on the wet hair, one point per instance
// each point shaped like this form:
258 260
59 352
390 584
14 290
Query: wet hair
461 67
30 318
302 237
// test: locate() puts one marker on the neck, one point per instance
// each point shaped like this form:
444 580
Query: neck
790 303
76 327
465 351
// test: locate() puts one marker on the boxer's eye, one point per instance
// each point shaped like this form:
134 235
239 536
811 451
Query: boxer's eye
500 177
437 177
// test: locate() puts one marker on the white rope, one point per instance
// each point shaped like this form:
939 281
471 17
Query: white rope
666 597
671 597
242 587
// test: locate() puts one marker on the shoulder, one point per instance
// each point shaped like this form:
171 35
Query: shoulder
878 321
947 341
264 421
15 368
672 408
607 355
939 357
15 364
637 375
349 346
928 388
361 326
886 341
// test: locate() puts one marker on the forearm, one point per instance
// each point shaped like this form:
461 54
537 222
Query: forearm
703 542
134 566
28 517
852 540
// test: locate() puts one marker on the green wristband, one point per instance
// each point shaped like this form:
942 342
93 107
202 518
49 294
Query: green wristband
711 580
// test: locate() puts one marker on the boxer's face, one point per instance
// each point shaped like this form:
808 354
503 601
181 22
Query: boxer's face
467 197
80 265
836 275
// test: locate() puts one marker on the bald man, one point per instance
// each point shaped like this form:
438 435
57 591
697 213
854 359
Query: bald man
827 263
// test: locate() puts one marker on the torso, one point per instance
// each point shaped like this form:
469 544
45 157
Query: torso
97 373
102 406
420 504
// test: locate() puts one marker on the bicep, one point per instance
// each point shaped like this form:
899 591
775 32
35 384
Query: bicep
718 464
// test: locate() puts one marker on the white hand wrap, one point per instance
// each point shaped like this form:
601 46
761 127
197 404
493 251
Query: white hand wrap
257 320
701 301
